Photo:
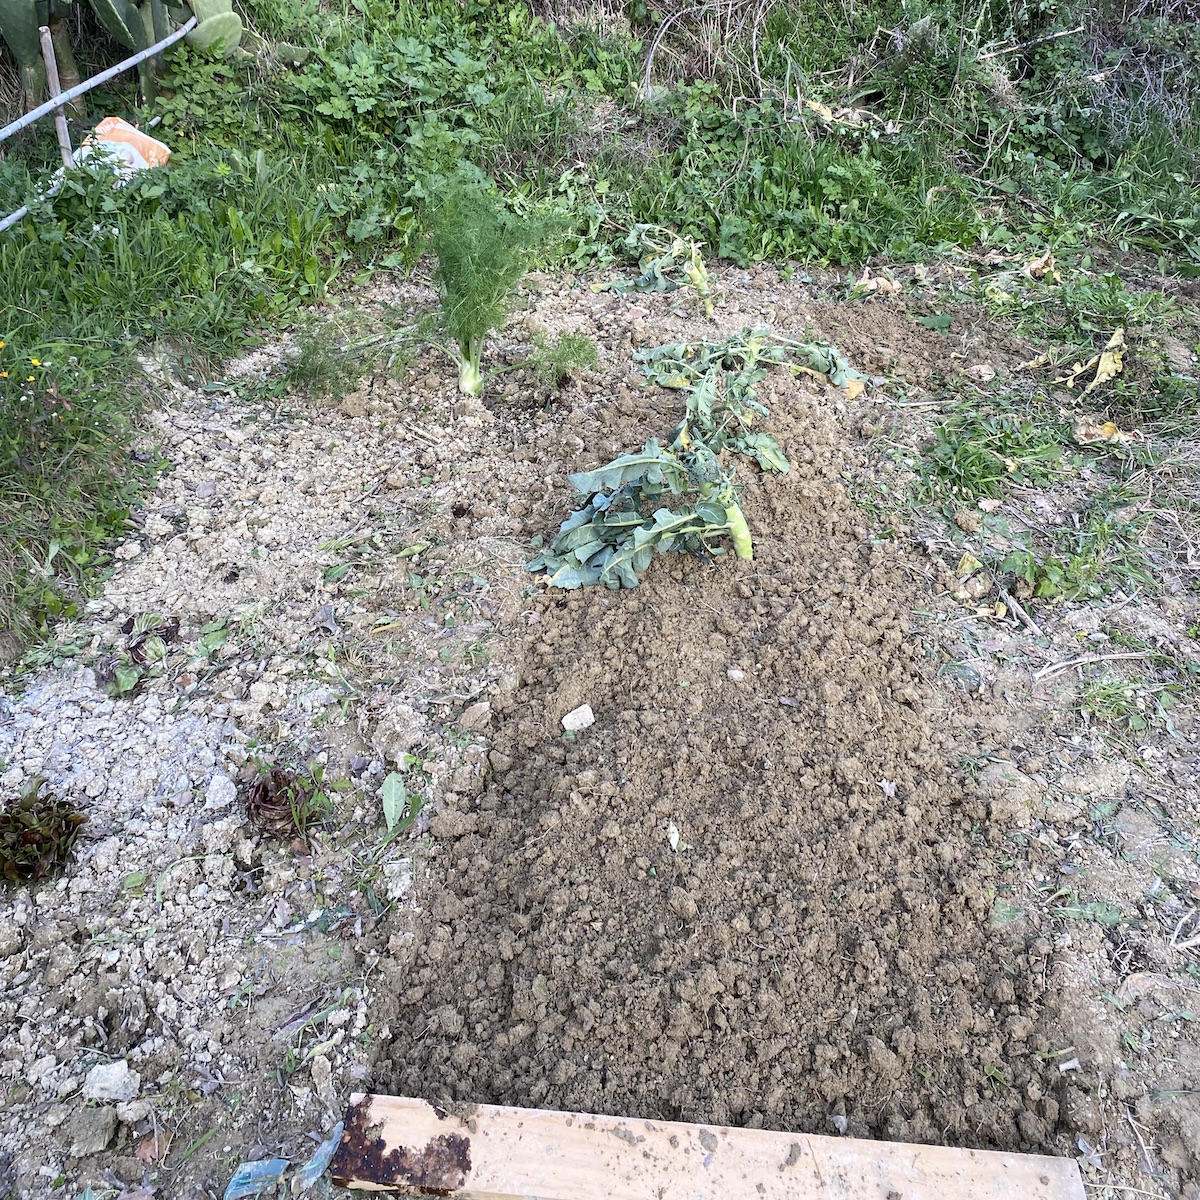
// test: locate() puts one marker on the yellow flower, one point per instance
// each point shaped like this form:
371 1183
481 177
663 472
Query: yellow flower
37 362
3 374
2 344
28 378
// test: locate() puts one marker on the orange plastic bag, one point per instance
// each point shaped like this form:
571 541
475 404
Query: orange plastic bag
133 149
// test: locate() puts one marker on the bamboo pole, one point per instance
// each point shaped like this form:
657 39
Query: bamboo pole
60 117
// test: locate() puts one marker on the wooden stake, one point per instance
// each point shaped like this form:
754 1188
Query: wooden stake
60 118
480 1152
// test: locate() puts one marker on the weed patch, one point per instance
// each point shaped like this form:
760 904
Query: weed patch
37 831
554 363
980 454
1130 706
288 803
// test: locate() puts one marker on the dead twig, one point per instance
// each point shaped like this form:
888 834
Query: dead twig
1085 660
1125 1187
1050 37
1147 1159
1015 607
1190 943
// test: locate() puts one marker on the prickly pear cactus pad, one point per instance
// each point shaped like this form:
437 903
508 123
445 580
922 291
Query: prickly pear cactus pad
122 20
219 31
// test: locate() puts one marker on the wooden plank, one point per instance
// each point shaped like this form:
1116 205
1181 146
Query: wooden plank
480 1152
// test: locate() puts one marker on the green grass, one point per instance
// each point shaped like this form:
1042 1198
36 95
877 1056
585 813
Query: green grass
1130 705
981 453
67 479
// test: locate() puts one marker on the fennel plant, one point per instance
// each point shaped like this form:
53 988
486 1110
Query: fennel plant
482 253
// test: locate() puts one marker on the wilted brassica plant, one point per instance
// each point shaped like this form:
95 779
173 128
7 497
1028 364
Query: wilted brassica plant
611 539
482 253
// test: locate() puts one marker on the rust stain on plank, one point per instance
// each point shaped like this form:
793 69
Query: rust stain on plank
439 1168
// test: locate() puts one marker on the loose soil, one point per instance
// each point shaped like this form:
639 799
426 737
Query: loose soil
800 873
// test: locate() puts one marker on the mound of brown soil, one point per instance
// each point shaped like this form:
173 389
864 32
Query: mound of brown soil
755 891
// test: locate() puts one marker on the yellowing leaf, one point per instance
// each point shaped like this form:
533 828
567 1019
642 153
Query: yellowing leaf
1072 376
1087 429
1108 364
675 381
153 1147
877 284
811 373
854 388
969 564
1042 360
1042 267
1111 361
822 110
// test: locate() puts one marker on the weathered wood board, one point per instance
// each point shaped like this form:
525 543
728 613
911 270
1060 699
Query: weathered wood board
481 1152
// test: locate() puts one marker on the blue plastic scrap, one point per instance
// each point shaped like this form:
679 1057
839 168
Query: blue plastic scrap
266 1175
254 1178
312 1170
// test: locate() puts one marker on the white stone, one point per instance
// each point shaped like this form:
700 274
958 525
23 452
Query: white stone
579 718
322 1077
111 1081
398 878
10 936
130 1112
221 791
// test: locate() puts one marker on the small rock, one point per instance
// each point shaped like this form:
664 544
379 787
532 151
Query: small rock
64 962
206 488
682 904
10 937
463 780
40 1067
398 878
322 1077
57 1115
453 824
579 718
221 792
400 730
91 1130
736 674
133 1111
477 717
968 520
111 1081
1016 796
